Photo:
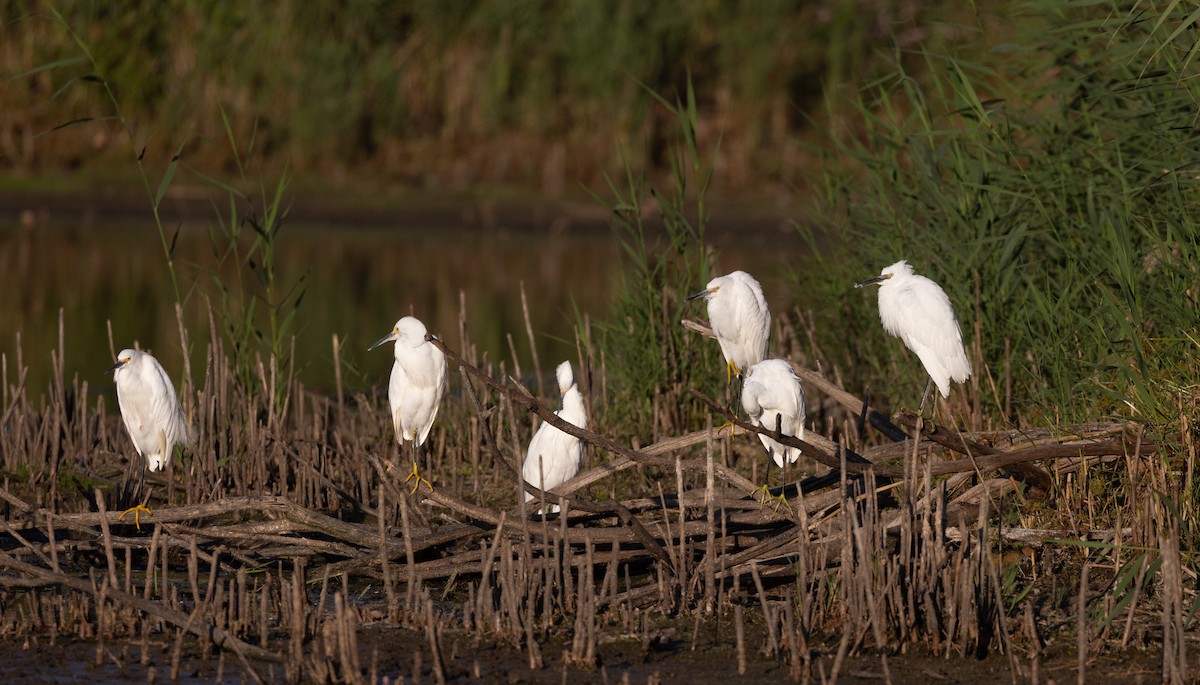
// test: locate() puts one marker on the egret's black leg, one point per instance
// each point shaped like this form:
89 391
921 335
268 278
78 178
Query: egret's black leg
925 397
416 451
139 508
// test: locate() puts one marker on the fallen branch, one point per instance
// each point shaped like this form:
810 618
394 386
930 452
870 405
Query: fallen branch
856 463
962 444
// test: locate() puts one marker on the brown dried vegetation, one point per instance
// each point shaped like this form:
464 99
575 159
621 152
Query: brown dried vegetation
287 530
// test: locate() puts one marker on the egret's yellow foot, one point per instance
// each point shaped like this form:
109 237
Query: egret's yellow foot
137 513
777 500
731 370
419 478
727 426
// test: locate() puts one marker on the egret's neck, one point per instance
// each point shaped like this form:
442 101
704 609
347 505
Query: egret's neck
573 409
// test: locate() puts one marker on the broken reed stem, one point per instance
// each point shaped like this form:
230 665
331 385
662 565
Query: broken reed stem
533 350
106 535
409 555
740 628
1034 643
772 637
710 542
1081 627
389 587
432 634
337 378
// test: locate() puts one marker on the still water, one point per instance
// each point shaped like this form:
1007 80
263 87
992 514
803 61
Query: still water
357 281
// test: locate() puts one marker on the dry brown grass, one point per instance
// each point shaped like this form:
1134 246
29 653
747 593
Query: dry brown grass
266 536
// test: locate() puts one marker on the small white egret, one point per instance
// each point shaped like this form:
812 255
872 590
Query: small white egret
773 396
773 399
737 312
917 310
150 410
416 388
553 456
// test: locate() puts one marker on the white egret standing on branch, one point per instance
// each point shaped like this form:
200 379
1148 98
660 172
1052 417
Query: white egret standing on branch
151 413
773 398
737 312
917 310
553 456
416 388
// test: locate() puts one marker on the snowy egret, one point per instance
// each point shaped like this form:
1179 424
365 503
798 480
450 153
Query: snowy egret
773 396
553 456
415 391
917 310
737 312
773 399
150 410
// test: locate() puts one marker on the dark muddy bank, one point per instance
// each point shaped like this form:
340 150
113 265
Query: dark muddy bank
677 651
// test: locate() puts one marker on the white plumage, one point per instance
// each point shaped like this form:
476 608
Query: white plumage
149 407
553 456
917 310
418 380
771 394
737 312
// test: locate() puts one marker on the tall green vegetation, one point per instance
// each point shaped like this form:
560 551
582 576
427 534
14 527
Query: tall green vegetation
442 93
652 359
257 308
1049 184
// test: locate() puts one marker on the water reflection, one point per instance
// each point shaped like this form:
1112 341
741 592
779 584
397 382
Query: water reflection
359 281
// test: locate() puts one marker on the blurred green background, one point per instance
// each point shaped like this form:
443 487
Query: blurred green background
1037 158
525 94
429 147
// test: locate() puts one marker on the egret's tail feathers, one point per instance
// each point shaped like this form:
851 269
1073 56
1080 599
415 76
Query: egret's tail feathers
190 435
963 372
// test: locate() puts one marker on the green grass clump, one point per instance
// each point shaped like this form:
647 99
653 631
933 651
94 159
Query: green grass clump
652 359
1050 186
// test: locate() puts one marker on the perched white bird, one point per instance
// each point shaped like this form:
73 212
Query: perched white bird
737 312
553 456
916 310
149 407
152 415
418 382
772 397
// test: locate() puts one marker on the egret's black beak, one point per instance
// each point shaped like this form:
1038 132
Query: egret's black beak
385 339
872 281
702 293
114 367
